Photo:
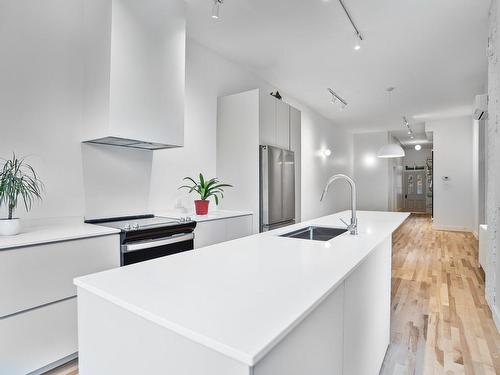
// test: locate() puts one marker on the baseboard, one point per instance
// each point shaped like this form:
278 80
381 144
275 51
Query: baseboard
496 316
55 365
451 228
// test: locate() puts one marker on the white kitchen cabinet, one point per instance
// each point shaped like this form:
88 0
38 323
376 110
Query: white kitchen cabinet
32 276
315 346
36 338
38 319
282 124
209 232
367 313
295 146
274 121
277 121
215 231
267 119
238 227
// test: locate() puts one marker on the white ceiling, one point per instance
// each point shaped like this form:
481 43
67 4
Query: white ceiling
433 52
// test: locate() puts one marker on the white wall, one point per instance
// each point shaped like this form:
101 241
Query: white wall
453 207
372 175
414 157
475 177
41 94
493 163
41 97
319 134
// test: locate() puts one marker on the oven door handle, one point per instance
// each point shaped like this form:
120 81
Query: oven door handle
161 242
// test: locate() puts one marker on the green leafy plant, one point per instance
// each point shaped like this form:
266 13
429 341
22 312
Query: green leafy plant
206 188
18 179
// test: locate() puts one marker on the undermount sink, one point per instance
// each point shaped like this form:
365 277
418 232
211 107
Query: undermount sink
315 233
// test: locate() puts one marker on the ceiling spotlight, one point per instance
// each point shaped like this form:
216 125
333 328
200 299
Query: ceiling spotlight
337 98
327 152
216 8
418 147
409 132
357 42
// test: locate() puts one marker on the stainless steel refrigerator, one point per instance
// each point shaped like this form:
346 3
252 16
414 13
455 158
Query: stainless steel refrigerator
277 187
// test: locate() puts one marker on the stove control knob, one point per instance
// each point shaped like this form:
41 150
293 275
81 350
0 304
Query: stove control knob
135 226
127 226
188 219
182 219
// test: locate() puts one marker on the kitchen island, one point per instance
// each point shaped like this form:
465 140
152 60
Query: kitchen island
259 305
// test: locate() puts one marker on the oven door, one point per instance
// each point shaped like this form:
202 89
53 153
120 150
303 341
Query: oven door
140 251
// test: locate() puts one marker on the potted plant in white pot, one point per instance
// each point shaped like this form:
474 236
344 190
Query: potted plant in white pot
18 180
206 189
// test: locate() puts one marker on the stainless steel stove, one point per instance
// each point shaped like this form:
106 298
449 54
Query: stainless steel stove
148 237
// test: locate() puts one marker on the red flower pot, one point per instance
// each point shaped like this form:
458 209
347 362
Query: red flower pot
201 207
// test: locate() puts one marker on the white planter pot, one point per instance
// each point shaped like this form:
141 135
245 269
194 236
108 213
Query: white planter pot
10 227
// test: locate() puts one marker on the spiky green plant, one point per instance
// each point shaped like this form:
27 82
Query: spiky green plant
206 188
18 179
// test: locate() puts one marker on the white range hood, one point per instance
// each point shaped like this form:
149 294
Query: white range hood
134 73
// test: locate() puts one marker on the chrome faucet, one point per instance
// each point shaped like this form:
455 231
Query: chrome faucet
353 227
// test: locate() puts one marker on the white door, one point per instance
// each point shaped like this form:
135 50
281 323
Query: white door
414 189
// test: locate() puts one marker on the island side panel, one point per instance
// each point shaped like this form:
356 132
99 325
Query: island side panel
367 312
113 340
314 346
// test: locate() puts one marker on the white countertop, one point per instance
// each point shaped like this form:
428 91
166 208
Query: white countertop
212 215
53 230
242 297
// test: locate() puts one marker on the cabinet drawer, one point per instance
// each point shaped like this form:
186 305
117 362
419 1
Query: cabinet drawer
36 338
209 232
238 227
36 275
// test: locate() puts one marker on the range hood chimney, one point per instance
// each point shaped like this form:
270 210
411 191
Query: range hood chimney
134 73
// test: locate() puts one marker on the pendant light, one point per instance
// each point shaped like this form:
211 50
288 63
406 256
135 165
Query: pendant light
391 150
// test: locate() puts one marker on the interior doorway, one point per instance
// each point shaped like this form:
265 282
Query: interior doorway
415 180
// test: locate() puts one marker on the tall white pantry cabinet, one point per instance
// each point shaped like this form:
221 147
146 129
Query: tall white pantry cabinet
245 121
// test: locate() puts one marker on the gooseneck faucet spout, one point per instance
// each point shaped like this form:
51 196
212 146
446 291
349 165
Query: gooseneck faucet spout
353 227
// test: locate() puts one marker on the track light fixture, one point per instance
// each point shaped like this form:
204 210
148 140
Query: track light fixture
407 125
216 8
357 33
337 98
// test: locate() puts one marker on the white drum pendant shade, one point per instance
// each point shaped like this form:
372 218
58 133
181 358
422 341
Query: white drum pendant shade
391 150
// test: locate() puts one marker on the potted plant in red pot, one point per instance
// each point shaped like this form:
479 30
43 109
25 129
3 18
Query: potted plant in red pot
206 189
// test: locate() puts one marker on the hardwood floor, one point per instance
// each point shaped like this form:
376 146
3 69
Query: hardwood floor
440 322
